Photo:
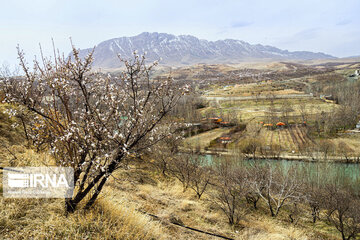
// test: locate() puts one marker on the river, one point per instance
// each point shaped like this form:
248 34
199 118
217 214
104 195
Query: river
318 172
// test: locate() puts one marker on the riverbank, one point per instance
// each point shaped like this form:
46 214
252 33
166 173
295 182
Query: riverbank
285 156
331 159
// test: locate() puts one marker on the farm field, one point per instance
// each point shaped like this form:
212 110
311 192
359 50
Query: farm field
351 142
290 139
263 97
280 99
265 87
203 140
247 110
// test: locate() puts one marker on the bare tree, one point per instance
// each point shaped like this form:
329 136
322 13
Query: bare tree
294 213
230 189
302 108
271 113
253 129
188 106
192 170
313 194
181 168
286 110
272 151
314 199
163 153
344 150
250 146
343 211
277 186
309 149
201 176
326 146
91 121
252 197
256 179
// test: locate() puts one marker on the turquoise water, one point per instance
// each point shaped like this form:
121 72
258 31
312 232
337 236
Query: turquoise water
317 172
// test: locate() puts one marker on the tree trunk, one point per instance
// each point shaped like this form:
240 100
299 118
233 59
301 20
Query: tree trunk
271 210
96 194
314 214
71 204
291 218
110 169
254 203
343 235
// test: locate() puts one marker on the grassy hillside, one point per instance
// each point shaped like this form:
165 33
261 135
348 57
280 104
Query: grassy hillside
45 219
122 210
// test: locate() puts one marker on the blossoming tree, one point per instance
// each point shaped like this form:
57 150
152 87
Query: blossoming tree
88 120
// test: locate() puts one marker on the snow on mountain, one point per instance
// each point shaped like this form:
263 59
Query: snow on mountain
186 50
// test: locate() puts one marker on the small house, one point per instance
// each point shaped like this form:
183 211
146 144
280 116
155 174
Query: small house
225 140
281 124
357 72
358 125
215 120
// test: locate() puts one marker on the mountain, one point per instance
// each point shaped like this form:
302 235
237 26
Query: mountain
186 50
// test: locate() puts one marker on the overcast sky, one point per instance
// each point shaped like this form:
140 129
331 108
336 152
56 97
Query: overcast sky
330 26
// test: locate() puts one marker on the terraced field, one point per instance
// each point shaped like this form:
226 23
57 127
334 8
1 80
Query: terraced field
289 139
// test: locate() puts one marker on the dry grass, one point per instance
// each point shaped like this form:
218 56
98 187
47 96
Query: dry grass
203 139
352 141
166 199
266 228
251 89
118 212
247 110
45 219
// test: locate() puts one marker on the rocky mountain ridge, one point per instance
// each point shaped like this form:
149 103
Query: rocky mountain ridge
187 50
